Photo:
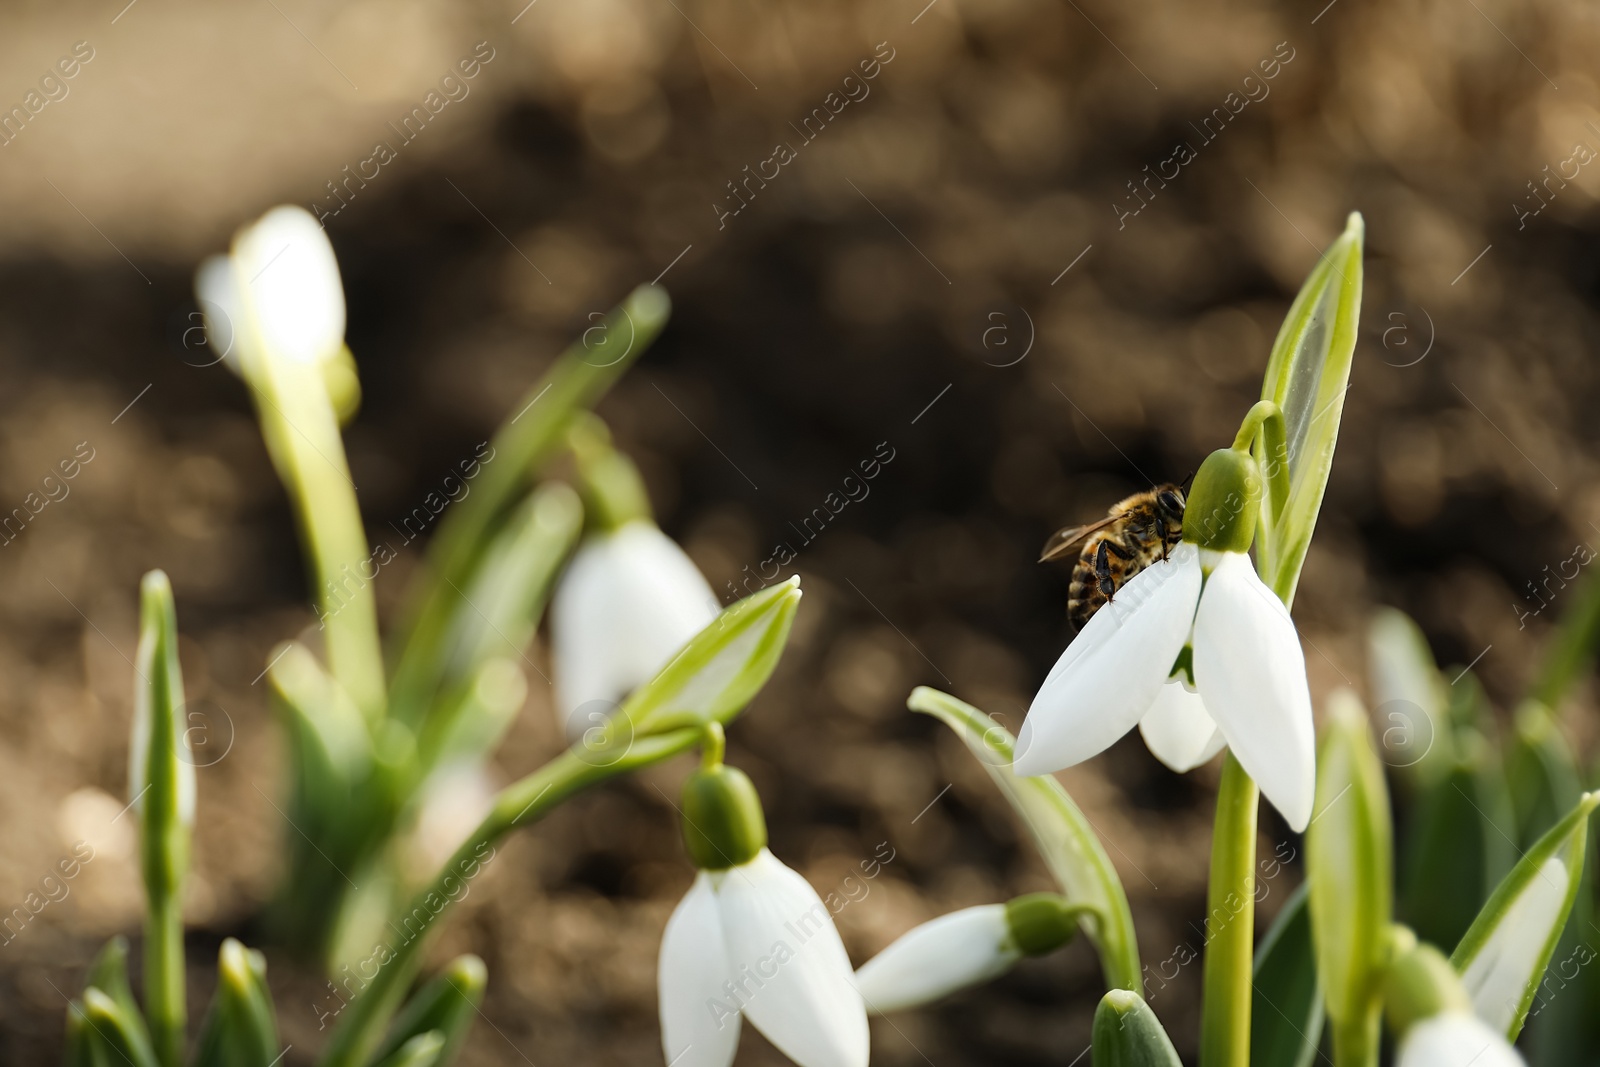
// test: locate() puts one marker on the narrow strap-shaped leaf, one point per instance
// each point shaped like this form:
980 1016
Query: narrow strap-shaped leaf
117 1031
1572 651
162 782
241 1028
1127 1033
1503 956
1065 840
1541 772
446 1005
533 432
85 1048
1287 1016
109 974
1457 844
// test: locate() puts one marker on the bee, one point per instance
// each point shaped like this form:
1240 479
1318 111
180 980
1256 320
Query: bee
1137 532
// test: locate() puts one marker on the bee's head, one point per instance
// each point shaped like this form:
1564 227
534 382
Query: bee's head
1170 501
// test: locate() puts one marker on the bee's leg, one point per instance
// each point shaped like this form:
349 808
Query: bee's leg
1102 570
1161 532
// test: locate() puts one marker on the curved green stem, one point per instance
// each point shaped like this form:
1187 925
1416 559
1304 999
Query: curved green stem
526 801
1230 923
1266 419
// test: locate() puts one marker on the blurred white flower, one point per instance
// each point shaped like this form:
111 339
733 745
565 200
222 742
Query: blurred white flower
1248 679
627 602
755 941
1455 1039
938 958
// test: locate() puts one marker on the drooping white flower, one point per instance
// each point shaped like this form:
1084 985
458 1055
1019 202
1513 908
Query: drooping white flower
1196 651
629 599
750 940
1514 954
1455 1039
943 955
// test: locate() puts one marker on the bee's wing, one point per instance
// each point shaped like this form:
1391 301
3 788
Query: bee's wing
1068 536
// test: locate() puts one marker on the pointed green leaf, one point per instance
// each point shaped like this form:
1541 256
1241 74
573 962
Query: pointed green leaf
1349 865
241 1028
117 1031
1571 652
1127 1034
446 1006
1412 723
109 974
161 780
1286 1018
1541 772
1063 836
1458 843
1307 376
85 1048
1502 958
534 431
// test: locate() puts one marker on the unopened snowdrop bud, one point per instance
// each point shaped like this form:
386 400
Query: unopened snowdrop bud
1224 502
964 948
630 597
751 940
288 280
1432 1016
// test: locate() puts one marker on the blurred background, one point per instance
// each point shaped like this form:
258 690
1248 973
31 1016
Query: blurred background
983 254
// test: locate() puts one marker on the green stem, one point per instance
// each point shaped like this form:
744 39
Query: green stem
163 978
360 1028
1230 923
535 433
1355 1041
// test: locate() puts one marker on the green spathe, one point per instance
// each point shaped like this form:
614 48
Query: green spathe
1224 502
723 825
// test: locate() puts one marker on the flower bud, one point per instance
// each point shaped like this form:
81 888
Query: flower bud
1421 984
1040 923
1128 1034
723 825
1224 502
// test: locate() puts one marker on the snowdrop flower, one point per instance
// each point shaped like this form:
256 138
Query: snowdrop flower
962 949
629 599
751 940
1430 1010
278 295
1196 651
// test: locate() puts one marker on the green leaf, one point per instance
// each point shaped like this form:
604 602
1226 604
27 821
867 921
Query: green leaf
1503 956
446 1006
109 974
1286 1015
496 616
241 1028
1411 697
1127 1034
719 670
1571 652
161 779
85 1048
1063 836
1541 772
424 1050
1458 844
1307 376
534 431
1349 866
116 1031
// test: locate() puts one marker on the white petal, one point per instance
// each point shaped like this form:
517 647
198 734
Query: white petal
1177 729
794 978
1499 975
288 275
627 602
1108 677
699 1021
215 292
1251 673
937 958
1455 1039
